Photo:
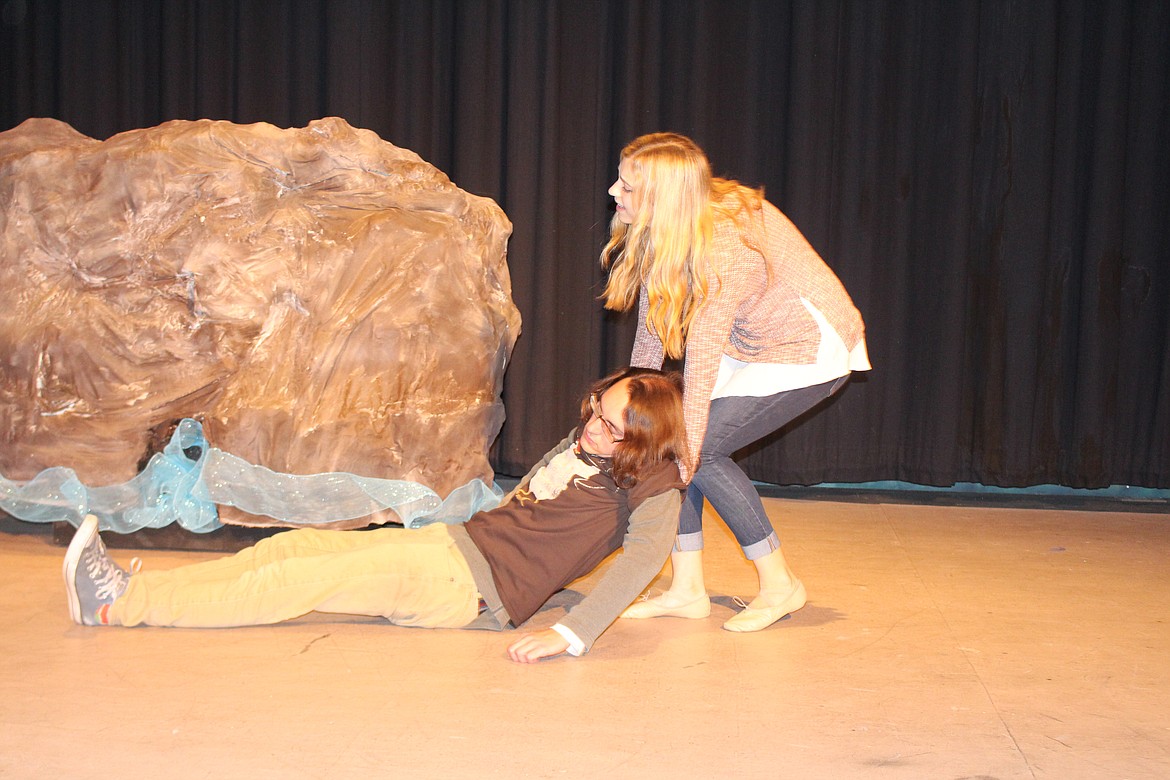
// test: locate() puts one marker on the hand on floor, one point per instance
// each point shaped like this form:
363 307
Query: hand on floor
532 647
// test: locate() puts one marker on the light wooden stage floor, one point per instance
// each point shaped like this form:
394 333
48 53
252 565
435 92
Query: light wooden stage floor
939 642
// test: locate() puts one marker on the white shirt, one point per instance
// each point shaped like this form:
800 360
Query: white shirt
757 380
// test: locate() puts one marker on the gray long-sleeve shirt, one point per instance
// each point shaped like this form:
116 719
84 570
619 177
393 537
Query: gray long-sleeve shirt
528 548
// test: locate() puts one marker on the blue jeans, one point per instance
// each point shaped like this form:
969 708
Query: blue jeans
735 422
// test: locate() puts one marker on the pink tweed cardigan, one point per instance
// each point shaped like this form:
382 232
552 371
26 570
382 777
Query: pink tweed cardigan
753 311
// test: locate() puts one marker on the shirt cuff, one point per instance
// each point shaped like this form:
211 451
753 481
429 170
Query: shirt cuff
576 646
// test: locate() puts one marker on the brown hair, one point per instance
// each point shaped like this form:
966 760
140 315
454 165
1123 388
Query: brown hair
653 421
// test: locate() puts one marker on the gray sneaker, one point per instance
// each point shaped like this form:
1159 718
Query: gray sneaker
92 579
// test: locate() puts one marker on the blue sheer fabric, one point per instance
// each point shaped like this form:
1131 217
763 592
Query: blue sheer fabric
186 481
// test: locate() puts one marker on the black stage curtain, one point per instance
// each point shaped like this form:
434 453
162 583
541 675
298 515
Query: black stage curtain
989 179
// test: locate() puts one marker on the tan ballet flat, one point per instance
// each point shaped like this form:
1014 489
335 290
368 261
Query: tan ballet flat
758 618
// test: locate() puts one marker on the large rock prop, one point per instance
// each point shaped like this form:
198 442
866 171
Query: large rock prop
319 298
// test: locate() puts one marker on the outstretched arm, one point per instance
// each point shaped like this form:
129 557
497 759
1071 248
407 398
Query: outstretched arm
649 537
651 532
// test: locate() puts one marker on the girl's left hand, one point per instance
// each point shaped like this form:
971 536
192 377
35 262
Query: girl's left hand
532 647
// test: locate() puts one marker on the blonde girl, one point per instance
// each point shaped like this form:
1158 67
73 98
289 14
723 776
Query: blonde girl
723 279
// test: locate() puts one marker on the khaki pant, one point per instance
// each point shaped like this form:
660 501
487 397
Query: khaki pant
410 577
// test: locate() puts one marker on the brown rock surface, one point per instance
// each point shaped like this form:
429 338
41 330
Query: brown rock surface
319 298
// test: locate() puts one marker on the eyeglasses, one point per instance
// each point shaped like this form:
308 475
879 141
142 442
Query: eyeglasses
607 428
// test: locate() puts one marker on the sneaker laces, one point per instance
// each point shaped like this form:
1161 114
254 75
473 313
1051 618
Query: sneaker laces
109 578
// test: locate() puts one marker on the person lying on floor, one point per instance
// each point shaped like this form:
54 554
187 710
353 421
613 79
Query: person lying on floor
613 482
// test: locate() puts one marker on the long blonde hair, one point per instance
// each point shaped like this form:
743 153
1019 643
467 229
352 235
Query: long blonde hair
665 247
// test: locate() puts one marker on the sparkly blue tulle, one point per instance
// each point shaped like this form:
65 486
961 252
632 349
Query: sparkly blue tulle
186 481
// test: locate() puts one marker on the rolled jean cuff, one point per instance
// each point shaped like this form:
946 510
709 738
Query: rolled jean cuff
689 542
768 544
